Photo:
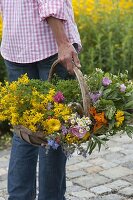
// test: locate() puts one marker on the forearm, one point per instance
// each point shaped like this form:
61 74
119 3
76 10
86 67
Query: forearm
58 30
66 51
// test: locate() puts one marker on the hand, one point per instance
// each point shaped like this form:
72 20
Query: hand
67 54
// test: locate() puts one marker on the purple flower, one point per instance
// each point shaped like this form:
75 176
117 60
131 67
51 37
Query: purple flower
78 131
95 96
64 130
53 144
106 81
59 97
50 142
122 88
56 145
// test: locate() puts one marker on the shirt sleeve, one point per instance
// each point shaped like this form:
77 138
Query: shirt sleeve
54 8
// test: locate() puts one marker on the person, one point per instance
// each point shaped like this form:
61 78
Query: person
35 34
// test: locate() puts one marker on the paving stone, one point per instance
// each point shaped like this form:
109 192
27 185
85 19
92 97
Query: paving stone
76 174
115 149
69 183
108 165
3 171
72 161
5 152
97 161
118 184
3 184
85 174
112 143
91 181
122 138
74 188
101 189
124 159
3 177
78 166
113 156
4 164
116 172
127 151
128 146
83 194
128 164
109 197
128 178
94 169
73 198
127 191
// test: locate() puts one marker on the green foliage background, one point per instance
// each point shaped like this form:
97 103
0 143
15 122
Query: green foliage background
107 44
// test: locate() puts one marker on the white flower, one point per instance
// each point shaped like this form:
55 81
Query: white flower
81 124
99 70
87 128
81 130
72 121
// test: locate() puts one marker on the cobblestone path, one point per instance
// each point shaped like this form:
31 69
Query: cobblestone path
107 175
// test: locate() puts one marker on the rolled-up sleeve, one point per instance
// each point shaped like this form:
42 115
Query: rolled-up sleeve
54 8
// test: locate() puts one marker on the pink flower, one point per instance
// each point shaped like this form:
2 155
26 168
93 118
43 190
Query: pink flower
122 88
106 81
59 97
78 131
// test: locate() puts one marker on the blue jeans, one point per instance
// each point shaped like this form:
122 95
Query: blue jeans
24 156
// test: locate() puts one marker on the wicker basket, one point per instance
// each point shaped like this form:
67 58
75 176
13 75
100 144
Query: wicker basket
37 138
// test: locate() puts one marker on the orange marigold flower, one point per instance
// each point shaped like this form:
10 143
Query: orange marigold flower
92 111
100 117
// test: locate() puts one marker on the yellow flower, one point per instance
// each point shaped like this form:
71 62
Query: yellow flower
2 117
23 79
71 139
119 116
62 110
13 85
14 118
52 125
32 128
50 95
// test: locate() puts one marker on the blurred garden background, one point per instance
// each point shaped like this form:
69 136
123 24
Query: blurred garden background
106 30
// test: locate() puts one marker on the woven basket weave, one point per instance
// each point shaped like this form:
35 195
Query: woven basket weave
37 138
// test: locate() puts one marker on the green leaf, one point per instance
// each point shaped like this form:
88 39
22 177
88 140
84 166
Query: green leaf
129 131
99 146
92 146
129 104
106 93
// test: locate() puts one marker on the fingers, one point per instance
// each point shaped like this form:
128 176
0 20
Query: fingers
68 57
67 63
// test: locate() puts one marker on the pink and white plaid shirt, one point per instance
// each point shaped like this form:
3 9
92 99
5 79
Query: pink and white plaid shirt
27 37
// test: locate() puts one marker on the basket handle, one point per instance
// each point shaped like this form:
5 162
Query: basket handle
83 86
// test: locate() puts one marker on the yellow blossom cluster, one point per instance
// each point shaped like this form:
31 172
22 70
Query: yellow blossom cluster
91 7
22 103
119 116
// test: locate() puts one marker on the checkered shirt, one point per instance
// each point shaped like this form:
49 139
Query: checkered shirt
27 37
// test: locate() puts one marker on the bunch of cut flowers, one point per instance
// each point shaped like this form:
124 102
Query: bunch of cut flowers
55 110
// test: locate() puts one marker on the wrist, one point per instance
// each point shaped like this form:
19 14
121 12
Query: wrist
63 42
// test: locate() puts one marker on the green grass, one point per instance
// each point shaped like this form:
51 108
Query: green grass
107 44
